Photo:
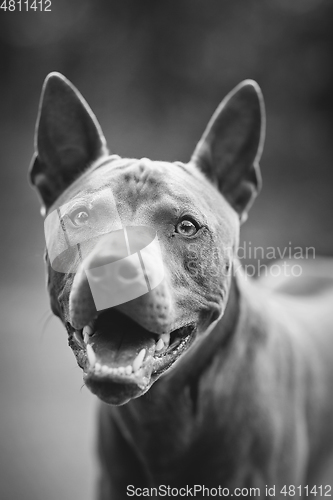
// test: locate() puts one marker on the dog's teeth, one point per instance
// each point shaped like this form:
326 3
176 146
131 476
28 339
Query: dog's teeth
87 332
91 355
166 338
121 370
139 360
128 370
159 346
104 369
88 329
78 337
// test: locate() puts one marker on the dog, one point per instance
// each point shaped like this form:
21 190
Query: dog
210 383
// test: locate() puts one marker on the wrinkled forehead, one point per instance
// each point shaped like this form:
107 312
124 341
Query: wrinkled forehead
141 178
141 181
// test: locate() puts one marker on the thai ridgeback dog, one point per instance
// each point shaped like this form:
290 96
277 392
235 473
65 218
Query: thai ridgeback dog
207 379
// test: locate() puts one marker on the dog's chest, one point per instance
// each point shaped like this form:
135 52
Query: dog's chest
178 438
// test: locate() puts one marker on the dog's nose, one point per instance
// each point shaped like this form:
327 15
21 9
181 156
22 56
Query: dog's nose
127 272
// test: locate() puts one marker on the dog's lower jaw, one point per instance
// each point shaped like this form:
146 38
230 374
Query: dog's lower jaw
114 392
121 360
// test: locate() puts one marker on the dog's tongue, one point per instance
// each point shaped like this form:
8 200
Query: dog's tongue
116 348
118 342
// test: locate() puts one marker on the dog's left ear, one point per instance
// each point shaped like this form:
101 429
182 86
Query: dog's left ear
68 138
230 149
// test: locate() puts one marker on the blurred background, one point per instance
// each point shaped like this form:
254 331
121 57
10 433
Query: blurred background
153 72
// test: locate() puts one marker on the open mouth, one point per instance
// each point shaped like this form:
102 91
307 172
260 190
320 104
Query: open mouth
121 359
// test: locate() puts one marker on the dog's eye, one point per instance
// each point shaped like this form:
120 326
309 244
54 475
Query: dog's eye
186 227
80 218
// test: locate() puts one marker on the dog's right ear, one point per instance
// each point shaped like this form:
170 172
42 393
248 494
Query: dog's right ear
230 148
68 138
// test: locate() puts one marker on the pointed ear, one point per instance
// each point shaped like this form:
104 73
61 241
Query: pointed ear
230 149
68 138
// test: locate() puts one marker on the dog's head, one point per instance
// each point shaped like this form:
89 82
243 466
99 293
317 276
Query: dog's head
139 252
